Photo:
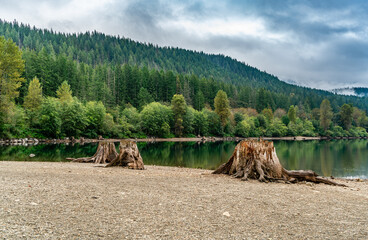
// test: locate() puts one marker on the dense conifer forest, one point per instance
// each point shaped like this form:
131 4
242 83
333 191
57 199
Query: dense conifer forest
91 84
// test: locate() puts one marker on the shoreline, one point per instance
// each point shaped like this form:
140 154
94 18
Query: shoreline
46 200
34 141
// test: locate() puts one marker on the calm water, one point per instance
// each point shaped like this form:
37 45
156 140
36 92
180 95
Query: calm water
339 158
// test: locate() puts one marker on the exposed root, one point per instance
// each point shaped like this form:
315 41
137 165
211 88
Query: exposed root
258 160
105 153
129 156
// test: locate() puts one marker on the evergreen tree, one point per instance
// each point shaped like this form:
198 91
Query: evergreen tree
144 97
64 93
199 101
33 99
292 113
325 114
346 115
178 107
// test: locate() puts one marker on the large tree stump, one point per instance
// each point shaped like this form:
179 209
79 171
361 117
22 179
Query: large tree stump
129 156
105 153
257 159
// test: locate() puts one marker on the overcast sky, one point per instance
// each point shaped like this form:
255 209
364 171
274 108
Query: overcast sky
315 43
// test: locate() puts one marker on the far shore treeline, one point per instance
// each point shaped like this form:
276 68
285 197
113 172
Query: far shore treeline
49 93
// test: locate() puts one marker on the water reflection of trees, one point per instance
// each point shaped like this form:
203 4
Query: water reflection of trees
46 152
335 157
338 157
187 154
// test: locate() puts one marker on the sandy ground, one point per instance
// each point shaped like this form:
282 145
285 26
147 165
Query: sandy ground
80 201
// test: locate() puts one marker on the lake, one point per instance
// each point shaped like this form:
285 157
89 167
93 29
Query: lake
339 158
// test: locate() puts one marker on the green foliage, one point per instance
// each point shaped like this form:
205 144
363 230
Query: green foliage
112 129
267 112
155 118
165 130
14 124
200 123
276 129
338 131
188 120
64 93
33 99
133 118
308 129
144 97
261 121
178 107
325 114
292 113
346 115
222 107
74 118
215 127
238 117
358 132
95 113
109 72
243 129
296 128
11 69
50 121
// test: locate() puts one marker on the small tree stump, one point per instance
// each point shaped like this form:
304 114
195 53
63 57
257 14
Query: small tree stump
129 156
105 153
258 160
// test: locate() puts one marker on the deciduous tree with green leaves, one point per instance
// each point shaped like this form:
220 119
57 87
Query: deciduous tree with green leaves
11 69
222 106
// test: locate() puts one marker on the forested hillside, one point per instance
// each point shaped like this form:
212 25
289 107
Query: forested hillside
56 85
114 70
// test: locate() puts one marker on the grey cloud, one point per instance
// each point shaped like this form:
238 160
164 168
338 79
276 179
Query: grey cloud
316 52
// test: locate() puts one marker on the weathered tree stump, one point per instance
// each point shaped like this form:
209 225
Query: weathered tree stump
129 156
257 159
105 153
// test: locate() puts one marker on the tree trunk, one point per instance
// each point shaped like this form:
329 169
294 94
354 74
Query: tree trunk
105 153
129 156
258 160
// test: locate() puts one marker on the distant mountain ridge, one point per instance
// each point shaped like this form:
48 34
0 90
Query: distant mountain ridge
102 54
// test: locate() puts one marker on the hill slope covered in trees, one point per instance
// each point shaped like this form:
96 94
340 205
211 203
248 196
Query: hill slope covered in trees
102 67
89 84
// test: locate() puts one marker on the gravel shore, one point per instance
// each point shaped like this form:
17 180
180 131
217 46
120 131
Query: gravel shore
46 200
